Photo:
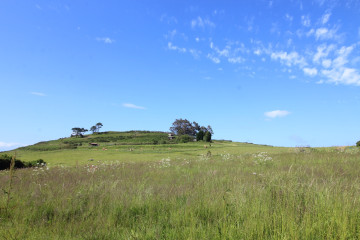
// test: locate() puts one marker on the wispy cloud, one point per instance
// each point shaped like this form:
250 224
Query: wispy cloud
310 71
106 40
305 21
38 94
168 19
322 52
130 105
339 73
289 17
213 58
9 145
176 48
236 60
276 113
202 23
325 18
171 34
195 53
324 33
289 59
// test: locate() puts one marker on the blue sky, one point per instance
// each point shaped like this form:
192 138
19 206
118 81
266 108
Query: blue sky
283 73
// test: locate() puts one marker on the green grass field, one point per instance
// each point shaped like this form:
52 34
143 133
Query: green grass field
138 190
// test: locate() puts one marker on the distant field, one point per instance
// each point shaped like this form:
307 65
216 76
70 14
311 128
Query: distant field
227 190
134 146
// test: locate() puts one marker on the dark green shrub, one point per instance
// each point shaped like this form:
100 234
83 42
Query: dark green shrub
200 135
184 139
358 143
35 163
5 161
207 137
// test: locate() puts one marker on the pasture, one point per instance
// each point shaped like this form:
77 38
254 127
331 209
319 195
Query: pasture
184 191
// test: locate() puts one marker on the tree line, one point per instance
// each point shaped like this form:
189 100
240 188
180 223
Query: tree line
79 132
183 127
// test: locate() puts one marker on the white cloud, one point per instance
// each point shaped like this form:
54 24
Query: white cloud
202 23
250 23
105 40
168 19
305 21
195 53
213 58
337 72
326 63
310 71
130 105
236 60
289 17
325 18
9 145
176 48
197 39
257 52
38 94
342 54
289 59
276 113
171 34
324 33
343 75
322 52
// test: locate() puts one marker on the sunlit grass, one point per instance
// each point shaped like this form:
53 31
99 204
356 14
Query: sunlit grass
227 195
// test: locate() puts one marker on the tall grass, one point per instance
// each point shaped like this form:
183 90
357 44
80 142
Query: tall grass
311 195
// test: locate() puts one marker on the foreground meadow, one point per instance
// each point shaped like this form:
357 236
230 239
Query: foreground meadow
289 195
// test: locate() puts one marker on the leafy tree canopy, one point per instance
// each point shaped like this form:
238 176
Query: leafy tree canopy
185 127
78 132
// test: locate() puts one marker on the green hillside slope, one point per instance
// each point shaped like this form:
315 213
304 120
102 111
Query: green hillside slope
131 146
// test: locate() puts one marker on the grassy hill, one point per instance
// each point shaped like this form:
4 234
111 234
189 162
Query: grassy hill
130 188
129 146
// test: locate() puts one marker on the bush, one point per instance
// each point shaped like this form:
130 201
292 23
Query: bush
5 161
207 137
358 143
200 135
38 162
184 139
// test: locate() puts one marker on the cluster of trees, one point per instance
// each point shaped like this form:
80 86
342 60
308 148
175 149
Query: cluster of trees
182 127
5 162
96 127
79 132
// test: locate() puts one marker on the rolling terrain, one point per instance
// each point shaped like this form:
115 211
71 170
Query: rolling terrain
140 185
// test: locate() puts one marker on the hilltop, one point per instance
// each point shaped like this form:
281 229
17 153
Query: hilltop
107 139
129 146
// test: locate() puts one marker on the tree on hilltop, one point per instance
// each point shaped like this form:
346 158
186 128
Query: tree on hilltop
78 132
185 127
93 129
98 126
